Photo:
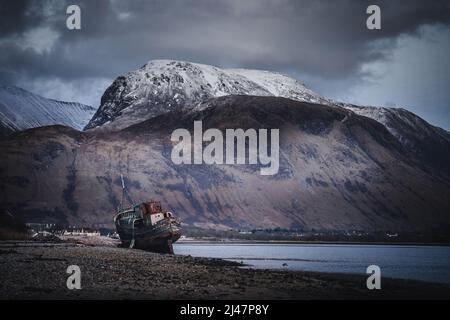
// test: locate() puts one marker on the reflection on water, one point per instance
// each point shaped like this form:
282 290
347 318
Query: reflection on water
426 263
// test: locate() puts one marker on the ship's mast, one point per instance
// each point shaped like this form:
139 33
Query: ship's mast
124 193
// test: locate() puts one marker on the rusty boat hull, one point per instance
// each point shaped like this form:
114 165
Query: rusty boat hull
137 228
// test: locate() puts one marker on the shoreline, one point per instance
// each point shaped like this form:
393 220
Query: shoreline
241 241
37 270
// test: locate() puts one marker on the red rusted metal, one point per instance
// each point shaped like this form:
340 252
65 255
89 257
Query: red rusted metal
151 207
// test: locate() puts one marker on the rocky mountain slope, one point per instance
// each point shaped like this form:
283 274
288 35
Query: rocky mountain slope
162 86
337 172
21 109
427 142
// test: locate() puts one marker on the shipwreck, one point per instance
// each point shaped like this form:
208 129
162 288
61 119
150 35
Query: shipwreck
147 226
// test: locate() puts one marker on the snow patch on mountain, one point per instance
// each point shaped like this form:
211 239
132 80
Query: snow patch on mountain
406 126
165 85
21 109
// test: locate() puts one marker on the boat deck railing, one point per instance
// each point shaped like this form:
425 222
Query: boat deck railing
125 214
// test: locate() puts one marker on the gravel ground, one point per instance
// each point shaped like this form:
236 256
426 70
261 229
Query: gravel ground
37 270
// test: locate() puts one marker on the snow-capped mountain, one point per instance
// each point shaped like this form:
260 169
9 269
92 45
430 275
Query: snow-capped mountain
21 109
161 86
342 167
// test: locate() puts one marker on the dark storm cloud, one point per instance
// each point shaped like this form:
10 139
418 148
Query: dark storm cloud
325 38
320 40
16 16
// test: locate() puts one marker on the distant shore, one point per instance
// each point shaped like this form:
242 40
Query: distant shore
242 241
37 270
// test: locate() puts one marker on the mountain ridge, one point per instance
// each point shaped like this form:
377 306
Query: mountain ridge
21 109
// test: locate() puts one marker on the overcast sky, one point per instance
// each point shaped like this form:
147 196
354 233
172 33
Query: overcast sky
325 44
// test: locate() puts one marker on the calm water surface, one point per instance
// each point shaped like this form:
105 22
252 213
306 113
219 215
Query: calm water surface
426 263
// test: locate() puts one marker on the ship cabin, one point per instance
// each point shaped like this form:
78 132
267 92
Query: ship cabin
152 212
149 213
